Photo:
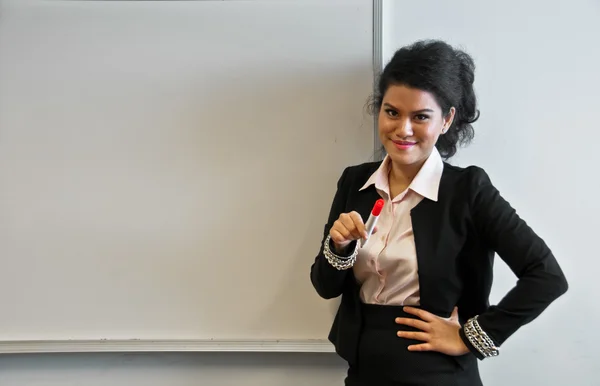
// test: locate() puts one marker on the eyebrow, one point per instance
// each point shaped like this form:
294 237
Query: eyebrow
414 112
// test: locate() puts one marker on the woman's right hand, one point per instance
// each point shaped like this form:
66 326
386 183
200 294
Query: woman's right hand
347 228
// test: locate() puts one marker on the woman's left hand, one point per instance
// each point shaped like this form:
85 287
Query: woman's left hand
438 334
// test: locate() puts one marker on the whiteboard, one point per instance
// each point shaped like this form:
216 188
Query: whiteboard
537 83
166 168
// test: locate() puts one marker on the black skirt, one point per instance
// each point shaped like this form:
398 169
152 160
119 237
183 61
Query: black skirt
384 359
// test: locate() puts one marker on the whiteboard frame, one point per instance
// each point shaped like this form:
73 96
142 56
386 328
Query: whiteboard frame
149 345
377 64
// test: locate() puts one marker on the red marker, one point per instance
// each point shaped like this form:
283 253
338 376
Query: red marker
370 224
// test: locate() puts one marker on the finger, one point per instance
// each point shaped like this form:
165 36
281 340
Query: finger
337 237
416 323
348 223
358 224
341 229
416 335
424 315
454 316
420 347
374 230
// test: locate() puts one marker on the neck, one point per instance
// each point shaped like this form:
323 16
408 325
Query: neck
402 175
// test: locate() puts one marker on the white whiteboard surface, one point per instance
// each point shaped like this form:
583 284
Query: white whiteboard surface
166 169
537 82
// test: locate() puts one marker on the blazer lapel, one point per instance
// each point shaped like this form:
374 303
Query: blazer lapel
426 230
438 244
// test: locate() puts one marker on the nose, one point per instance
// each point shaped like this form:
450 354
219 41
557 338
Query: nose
404 129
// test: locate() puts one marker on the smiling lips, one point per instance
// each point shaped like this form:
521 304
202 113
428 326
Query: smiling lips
404 145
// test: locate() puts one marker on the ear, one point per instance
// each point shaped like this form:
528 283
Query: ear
448 119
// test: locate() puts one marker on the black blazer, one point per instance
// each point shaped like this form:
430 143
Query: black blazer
456 239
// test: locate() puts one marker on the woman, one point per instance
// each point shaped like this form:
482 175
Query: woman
414 308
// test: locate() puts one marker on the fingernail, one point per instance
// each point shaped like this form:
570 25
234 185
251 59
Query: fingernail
399 333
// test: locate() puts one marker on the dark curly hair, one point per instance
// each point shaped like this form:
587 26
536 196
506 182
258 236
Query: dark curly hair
448 73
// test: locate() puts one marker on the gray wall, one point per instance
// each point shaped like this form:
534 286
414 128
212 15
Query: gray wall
214 369
537 84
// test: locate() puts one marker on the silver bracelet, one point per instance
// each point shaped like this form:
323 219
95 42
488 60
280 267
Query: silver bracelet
339 262
479 339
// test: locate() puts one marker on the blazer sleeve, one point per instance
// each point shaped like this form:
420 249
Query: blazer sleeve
327 280
540 278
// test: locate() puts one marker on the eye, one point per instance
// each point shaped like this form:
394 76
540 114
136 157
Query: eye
421 117
391 113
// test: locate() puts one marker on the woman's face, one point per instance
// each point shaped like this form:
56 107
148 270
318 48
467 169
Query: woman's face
410 122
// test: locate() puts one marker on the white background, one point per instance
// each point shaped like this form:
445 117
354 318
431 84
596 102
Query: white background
537 82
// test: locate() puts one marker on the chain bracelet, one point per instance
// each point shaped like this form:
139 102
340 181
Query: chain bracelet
339 262
479 339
